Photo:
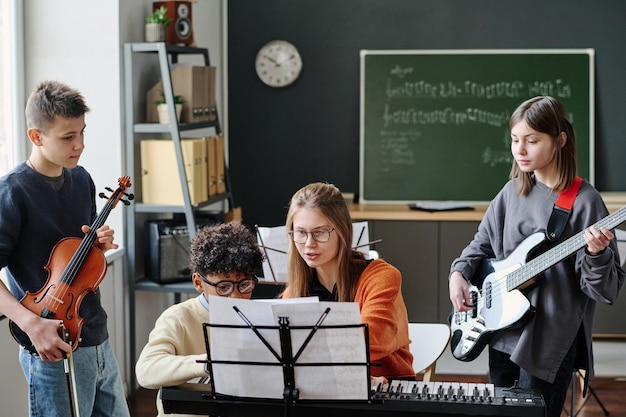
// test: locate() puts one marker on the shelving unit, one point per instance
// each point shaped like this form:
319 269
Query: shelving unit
167 54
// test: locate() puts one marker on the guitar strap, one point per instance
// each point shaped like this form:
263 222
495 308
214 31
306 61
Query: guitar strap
562 209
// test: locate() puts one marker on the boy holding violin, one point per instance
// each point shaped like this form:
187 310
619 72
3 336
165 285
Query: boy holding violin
42 201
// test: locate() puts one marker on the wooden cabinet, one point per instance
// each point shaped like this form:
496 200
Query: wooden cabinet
412 248
423 252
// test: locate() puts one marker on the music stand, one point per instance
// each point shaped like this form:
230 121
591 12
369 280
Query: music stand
287 359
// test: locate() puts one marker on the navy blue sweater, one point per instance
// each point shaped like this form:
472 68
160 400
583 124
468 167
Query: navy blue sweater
33 218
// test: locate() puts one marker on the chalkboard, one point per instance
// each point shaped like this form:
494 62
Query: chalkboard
435 123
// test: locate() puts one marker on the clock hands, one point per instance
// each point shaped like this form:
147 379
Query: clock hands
269 58
279 62
292 56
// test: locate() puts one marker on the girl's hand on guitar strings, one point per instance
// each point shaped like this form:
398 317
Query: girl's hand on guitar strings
597 240
459 292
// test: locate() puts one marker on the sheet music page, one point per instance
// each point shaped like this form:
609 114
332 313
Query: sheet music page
266 381
337 346
273 241
361 236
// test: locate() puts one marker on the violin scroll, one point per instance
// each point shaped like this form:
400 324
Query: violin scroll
124 184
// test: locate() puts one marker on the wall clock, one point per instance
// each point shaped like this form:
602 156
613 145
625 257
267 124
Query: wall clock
278 63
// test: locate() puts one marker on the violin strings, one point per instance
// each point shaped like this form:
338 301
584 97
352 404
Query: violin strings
76 261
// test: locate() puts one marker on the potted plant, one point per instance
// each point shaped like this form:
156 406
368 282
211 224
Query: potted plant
155 25
163 109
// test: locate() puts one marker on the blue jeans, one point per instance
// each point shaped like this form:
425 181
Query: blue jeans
98 384
504 373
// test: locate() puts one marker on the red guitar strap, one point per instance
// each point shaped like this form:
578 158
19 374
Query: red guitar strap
562 209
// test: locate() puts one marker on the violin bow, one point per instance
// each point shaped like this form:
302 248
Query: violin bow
73 373
66 367
70 372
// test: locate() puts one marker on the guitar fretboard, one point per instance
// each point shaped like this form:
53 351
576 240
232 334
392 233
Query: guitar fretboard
561 251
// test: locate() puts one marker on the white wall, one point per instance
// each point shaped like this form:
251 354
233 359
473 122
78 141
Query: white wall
13 389
77 42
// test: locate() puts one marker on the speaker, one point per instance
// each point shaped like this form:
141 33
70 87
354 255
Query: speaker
167 247
179 30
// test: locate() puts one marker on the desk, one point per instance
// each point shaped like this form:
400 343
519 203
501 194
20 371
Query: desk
422 245
403 212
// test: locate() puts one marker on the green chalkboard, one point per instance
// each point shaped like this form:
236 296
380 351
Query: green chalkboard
435 123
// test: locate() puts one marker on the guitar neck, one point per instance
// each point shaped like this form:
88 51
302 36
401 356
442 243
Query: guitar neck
561 251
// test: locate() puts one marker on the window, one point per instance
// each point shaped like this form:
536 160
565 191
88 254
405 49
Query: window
12 130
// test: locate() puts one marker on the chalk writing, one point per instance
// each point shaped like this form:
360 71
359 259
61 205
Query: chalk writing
396 147
443 116
400 72
434 125
472 89
493 157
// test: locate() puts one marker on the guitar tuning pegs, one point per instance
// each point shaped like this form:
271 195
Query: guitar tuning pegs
130 196
109 189
102 195
126 202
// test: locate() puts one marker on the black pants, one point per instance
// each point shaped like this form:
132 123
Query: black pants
504 373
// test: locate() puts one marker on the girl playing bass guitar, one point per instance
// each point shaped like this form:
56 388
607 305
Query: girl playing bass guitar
541 353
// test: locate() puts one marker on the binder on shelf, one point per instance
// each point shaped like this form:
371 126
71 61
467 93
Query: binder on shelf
211 165
196 86
160 177
188 82
204 168
220 164
210 90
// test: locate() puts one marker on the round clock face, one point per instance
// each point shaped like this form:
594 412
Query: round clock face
278 63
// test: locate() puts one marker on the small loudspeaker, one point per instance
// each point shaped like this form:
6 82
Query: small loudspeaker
179 30
167 247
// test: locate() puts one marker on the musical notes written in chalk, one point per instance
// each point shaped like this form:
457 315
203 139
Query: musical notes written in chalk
435 124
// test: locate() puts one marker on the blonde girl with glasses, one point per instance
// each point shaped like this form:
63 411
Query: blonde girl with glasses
322 263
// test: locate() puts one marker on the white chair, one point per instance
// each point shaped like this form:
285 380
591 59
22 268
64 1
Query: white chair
428 342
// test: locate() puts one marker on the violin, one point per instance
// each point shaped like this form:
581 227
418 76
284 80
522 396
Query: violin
75 268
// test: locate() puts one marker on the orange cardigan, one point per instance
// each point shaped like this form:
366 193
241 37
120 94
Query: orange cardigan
379 296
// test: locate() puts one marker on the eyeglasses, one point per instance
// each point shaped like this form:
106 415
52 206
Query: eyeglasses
320 235
226 288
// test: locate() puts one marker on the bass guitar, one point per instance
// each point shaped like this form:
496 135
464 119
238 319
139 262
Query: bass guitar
499 303
75 268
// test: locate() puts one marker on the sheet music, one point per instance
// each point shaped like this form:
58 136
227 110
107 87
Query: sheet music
273 241
326 346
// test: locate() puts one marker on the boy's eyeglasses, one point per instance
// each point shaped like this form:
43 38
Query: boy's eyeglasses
226 288
320 235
